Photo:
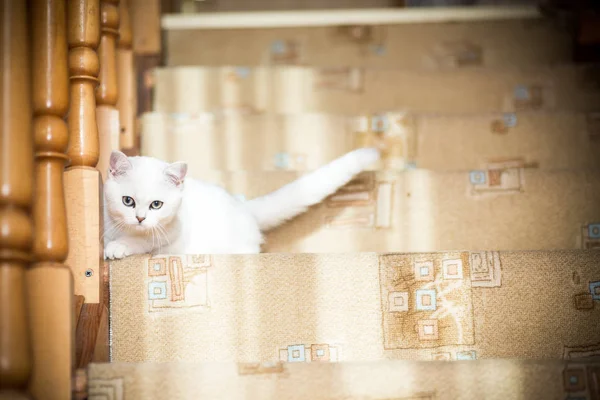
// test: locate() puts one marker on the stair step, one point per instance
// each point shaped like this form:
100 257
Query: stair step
549 140
457 305
400 380
352 91
505 207
411 46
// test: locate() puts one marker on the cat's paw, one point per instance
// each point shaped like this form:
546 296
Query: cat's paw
116 250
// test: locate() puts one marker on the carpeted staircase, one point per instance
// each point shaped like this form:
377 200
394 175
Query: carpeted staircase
464 266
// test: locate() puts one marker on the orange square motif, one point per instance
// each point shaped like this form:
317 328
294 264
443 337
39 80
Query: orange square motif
320 353
495 177
157 267
441 356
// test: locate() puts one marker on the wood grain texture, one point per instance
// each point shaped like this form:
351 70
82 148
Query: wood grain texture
83 192
108 130
83 37
82 180
87 332
83 184
145 26
107 93
16 181
78 300
50 299
49 282
145 65
126 103
102 349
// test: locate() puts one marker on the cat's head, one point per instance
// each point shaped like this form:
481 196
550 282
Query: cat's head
142 193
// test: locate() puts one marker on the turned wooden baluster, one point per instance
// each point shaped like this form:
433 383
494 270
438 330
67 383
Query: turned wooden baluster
16 181
126 103
82 180
50 283
107 92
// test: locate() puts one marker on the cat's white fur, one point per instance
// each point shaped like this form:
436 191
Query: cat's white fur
200 218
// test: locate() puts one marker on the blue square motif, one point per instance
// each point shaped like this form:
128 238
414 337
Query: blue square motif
510 120
296 353
379 123
595 290
424 271
278 47
242 72
466 355
594 231
157 290
521 92
573 380
426 300
282 160
477 177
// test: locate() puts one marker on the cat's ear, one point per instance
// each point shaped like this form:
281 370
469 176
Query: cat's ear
119 164
176 172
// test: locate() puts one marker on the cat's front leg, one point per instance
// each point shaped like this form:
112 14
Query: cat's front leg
124 247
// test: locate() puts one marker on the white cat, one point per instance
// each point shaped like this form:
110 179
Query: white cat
150 206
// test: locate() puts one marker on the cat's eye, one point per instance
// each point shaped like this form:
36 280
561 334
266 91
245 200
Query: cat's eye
156 204
128 201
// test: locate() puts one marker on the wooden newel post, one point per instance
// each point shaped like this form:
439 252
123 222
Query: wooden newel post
50 283
127 102
83 185
107 94
16 181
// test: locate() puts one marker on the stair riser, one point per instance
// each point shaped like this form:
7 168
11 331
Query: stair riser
505 208
356 307
305 142
294 90
409 46
491 380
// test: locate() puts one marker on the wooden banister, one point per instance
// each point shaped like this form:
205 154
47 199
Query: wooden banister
83 36
107 94
50 283
83 185
16 197
127 102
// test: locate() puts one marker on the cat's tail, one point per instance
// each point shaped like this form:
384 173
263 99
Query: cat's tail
295 198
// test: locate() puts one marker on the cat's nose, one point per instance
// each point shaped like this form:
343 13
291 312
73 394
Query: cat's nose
140 219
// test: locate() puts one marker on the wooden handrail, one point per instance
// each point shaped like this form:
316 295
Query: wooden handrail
16 197
49 281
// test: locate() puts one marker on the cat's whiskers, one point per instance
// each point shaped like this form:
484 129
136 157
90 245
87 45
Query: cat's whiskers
163 232
117 228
